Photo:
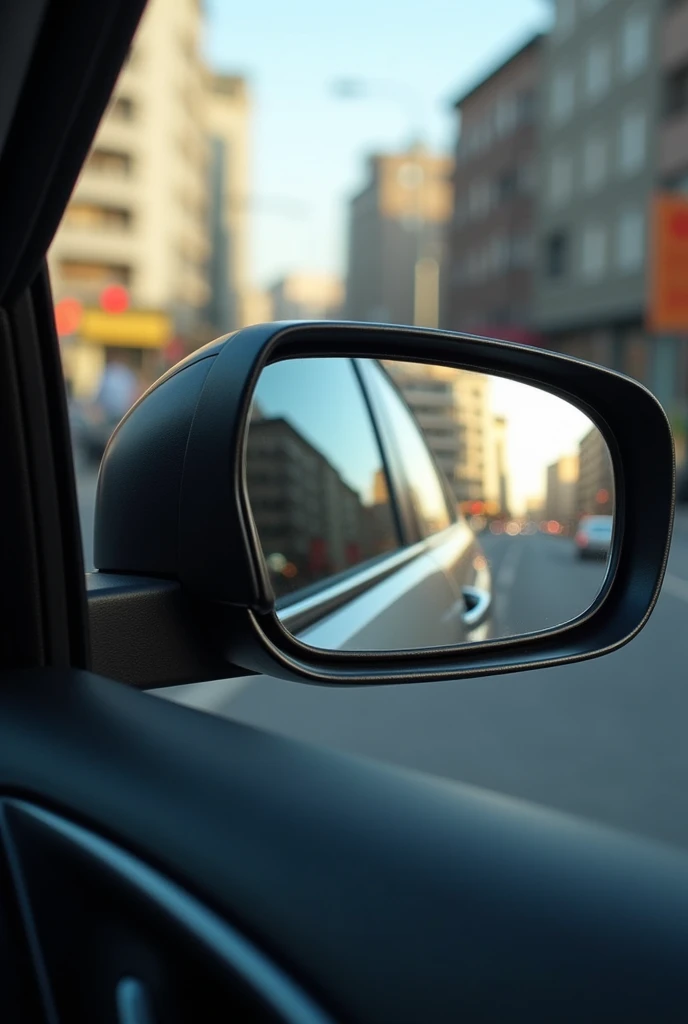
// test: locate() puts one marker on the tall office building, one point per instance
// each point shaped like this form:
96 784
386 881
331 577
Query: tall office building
396 238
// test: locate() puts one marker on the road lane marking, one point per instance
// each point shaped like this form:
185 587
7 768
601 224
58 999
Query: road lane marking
504 581
506 574
676 586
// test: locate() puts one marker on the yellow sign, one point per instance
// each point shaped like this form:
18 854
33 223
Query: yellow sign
132 329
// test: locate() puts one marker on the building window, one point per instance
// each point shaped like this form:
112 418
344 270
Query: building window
676 91
556 254
504 115
597 71
93 215
635 43
506 185
109 161
562 96
593 251
410 175
526 107
123 108
479 199
560 185
630 241
94 274
632 141
594 163
521 251
565 17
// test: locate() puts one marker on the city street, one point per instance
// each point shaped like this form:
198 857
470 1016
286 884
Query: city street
606 738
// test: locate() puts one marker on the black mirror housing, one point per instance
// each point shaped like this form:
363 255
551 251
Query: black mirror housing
172 499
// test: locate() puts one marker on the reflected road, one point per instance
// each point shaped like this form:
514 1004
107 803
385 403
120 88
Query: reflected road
538 582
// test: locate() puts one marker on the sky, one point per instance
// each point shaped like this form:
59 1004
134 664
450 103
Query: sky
541 428
309 147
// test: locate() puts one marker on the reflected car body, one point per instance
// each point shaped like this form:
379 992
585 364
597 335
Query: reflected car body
594 536
410 572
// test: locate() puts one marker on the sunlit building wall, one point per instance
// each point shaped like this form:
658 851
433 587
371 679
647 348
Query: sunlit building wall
488 284
452 408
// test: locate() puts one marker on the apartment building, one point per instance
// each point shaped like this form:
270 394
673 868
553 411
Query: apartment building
600 88
595 487
139 218
671 358
453 410
488 284
561 498
396 238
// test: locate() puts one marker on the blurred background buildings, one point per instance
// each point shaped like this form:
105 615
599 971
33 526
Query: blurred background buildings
559 218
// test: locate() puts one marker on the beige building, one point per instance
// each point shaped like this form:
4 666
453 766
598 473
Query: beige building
396 238
140 213
595 495
561 501
452 408
307 297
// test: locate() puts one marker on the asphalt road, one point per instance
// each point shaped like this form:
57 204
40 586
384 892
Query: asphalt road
606 739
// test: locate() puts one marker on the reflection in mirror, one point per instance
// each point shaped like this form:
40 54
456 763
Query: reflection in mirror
402 505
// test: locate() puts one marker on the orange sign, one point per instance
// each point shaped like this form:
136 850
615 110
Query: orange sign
668 299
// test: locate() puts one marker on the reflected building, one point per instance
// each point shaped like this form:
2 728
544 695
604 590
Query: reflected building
452 409
561 501
311 523
595 494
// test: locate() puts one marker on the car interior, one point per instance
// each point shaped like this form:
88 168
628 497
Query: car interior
162 864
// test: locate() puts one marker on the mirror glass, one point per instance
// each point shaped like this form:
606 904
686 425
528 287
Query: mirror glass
401 505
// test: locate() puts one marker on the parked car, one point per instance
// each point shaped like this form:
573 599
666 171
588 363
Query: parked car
594 536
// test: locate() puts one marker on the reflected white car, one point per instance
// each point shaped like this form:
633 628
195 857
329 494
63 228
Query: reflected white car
594 536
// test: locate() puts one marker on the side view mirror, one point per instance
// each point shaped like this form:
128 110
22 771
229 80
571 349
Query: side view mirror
346 503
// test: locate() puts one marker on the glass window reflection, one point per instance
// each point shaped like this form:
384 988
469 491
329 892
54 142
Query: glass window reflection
315 474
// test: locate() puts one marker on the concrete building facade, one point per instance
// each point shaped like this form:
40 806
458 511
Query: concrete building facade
600 88
452 408
228 118
561 498
140 213
488 284
396 238
595 488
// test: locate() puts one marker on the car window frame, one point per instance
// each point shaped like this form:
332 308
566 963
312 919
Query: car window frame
414 528
307 604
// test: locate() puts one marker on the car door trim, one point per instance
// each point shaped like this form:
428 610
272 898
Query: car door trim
304 613
260 974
